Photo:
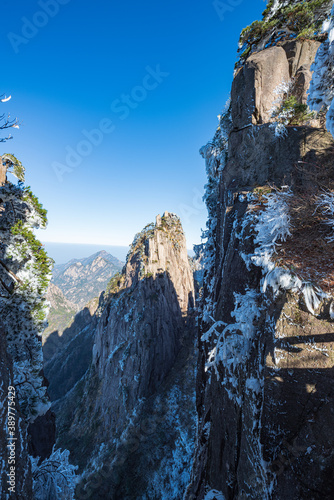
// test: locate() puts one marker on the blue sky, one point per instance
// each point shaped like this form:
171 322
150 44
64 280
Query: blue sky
69 66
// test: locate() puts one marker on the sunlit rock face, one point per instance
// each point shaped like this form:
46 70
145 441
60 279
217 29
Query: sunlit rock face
265 373
133 413
142 326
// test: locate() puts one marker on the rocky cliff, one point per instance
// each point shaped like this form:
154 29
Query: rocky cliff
129 421
265 369
27 424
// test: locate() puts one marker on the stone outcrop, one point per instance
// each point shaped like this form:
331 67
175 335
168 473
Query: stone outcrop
141 375
256 84
265 421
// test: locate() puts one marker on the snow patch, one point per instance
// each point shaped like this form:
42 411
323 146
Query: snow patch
214 495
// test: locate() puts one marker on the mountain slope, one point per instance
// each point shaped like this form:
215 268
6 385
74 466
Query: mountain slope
75 287
141 377
62 311
81 280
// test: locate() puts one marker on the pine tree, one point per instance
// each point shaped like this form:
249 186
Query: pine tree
25 272
8 162
284 20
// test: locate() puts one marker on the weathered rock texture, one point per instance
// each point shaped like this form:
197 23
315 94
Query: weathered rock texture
23 477
266 424
136 401
67 358
256 84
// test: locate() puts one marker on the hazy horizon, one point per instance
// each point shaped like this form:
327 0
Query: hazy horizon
62 253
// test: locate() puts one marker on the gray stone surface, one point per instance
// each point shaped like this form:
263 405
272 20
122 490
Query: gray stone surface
277 444
144 346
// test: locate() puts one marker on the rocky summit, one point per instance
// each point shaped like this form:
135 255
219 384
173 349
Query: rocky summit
142 371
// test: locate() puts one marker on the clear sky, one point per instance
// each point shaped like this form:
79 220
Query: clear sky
148 77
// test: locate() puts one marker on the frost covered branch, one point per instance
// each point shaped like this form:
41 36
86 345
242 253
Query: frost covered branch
326 204
321 92
55 477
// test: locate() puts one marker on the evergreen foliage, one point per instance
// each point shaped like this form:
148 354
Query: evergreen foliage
284 20
33 200
22 303
14 166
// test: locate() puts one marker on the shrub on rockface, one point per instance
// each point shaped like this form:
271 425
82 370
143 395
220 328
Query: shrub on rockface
284 20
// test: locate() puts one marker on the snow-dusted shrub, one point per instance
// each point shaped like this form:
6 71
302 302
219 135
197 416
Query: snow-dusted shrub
214 152
172 477
283 19
312 296
321 92
326 204
272 225
54 478
279 279
287 111
233 344
215 155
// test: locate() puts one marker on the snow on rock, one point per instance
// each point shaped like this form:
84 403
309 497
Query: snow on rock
321 92
25 273
214 495
325 203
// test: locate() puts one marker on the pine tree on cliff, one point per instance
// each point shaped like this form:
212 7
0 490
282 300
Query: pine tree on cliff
8 162
284 20
25 272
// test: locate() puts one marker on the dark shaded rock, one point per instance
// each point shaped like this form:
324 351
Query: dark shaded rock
23 477
42 435
256 157
72 358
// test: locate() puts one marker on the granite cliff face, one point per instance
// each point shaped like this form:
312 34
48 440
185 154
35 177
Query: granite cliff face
129 422
67 358
265 371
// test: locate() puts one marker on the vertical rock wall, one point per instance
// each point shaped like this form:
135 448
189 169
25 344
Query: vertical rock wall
129 422
265 374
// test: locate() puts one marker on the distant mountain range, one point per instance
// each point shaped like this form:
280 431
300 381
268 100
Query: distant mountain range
81 280
74 285
64 252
